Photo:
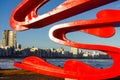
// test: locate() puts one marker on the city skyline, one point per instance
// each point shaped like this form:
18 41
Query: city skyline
12 52
39 37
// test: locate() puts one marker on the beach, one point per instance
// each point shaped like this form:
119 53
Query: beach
14 74
10 72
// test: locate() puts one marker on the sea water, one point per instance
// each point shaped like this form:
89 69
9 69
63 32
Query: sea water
98 63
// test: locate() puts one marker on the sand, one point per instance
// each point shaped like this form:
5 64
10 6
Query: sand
24 75
14 74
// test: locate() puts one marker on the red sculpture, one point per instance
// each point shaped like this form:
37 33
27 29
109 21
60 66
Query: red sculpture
24 17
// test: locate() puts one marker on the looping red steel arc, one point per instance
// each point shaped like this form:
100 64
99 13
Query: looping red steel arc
24 17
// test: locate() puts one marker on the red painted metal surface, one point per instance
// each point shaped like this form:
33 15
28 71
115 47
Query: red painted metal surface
24 17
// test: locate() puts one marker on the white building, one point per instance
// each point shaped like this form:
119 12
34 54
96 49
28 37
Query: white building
9 38
74 50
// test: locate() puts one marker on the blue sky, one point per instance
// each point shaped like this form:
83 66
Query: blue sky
39 37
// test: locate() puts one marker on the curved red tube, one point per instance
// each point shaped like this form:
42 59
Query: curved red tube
97 27
100 24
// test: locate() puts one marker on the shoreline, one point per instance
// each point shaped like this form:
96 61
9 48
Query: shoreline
50 58
17 74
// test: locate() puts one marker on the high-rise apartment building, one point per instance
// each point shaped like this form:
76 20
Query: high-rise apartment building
74 50
9 38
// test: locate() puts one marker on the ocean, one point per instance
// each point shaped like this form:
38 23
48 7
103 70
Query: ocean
98 63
